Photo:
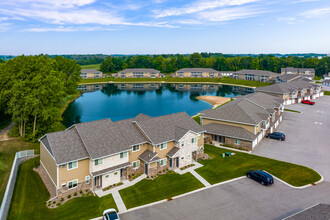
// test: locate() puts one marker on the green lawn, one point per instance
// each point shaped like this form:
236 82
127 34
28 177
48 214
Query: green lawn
290 110
317 77
220 169
91 66
7 154
163 187
326 92
225 80
30 196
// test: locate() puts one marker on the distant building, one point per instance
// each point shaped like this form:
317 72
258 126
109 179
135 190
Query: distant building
308 73
226 73
138 86
139 73
326 76
326 82
255 75
197 73
195 87
91 87
91 74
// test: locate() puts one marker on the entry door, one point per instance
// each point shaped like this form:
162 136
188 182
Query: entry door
146 168
121 172
171 162
177 162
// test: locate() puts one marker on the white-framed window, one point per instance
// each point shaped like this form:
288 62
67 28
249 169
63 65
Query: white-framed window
72 184
193 140
188 156
72 165
182 143
163 162
182 158
237 141
123 155
107 176
163 146
197 150
136 164
63 185
136 148
98 162
115 173
87 179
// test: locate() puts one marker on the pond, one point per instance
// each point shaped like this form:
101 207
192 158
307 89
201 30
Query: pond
122 101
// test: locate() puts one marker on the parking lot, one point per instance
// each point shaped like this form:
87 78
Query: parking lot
307 137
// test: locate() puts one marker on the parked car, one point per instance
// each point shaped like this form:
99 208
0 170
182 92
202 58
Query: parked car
277 136
307 102
260 176
110 214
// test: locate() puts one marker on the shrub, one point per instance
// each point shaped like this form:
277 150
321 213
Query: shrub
58 204
160 172
62 199
86 190
81 192
133 174
48 204
69 196
75 194
54 202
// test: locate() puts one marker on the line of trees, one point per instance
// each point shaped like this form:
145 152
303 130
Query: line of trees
170 64
30 89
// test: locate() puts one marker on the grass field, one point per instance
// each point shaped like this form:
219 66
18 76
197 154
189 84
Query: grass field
30 196
91 66
290 110
7 154
220 169
163 187
179 80
326 92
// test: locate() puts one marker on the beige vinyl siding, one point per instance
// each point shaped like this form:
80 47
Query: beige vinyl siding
48 163
79 173
162 153
250 128
134 156
201 140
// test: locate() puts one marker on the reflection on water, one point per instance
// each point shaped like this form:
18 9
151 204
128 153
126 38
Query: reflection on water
126 100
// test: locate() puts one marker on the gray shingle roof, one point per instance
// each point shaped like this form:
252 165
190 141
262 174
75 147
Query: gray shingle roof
173 151
139 70
90 71
279 88
298 70
248 109
101 138
65 146
197 70
148 155
163 128
288 77
229 131
142 116
317 212
113 168
257 72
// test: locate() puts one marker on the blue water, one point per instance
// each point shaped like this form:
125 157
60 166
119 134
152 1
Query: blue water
117 103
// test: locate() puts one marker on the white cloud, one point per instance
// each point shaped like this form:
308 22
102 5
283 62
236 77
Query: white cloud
66 29
316 12
200 6
289 20
229 14
48 3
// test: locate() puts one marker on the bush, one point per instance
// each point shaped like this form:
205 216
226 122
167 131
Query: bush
69 196
81 192
54 202
75 194
62 199
58 204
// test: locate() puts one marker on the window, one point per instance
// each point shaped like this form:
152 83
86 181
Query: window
136 148
72 165
163 146
87 179
107 176
193 140
163 162
98 162
237 141
122 155
182 143
115 173
63 185
182 158
136 164
197 150
73 184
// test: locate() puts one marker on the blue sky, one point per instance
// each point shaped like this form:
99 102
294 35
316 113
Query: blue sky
164 26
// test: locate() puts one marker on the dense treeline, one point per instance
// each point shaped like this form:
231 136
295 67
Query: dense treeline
218 62
30 88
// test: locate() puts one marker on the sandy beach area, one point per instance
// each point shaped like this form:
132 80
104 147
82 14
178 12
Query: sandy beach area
214 100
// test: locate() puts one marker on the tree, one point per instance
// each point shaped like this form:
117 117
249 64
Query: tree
107 65
2 61
195 60
255 63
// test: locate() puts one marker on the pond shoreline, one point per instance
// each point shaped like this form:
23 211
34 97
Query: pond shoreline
215 101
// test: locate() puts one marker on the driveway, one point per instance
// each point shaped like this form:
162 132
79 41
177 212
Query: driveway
242 199
307 137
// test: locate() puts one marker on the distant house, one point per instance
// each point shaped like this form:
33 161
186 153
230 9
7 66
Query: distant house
139 73
326 76
326 82
287 77
308 73
138 86
243 122
226 73
197 73
195 87
255 75
91 74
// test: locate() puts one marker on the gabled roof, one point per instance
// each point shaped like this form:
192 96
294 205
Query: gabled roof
279 88
249 109
64 146
257 72
196 70
90 71
173 151
148 156
162 129
229 131
288 77
139 70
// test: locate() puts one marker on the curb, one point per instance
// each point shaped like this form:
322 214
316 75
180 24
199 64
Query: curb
298 187
233 149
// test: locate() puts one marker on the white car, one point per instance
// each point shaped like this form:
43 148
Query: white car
110 214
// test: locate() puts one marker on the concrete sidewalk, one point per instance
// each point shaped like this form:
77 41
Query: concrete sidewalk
197 165
201 179
119 202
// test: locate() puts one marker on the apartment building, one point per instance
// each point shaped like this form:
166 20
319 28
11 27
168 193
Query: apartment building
97 154
243 122
91 74
138 86
139 73
197 73
195 87
308 73
294 91
255 75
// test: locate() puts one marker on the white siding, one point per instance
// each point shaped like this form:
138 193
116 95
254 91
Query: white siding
186 151
112 178
109 162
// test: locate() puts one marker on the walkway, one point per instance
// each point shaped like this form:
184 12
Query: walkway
193 172
4 132
119 202
201 179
